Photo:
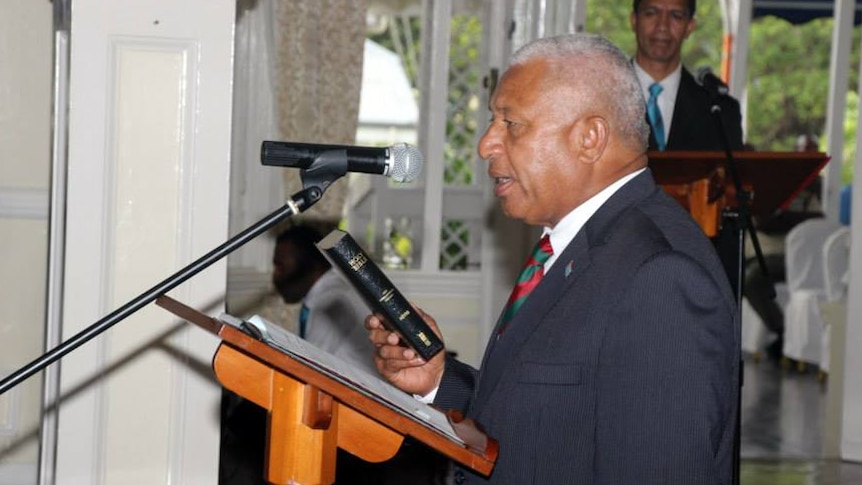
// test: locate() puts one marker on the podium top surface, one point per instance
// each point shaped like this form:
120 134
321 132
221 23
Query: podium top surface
774 178
369 396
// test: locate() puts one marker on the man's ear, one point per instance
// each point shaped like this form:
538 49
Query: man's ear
591 137
692 24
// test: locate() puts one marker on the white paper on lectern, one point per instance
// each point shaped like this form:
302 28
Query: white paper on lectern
369 385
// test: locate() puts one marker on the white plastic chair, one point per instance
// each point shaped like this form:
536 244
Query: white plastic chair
836 276
803 325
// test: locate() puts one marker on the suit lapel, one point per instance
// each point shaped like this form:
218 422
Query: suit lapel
502 351
501 354
684 116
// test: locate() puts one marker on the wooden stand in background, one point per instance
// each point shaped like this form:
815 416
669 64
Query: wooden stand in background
702 184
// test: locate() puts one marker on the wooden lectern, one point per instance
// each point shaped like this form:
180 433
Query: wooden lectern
311 412
701 183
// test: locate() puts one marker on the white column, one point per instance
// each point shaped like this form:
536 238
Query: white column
839 68
432 135
851 430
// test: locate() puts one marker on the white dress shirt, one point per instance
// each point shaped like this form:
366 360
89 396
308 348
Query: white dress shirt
667 98
335 321
570 225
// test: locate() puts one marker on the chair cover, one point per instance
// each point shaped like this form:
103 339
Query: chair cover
803 325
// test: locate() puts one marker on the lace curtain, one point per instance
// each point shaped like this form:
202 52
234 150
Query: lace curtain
319 72
297 77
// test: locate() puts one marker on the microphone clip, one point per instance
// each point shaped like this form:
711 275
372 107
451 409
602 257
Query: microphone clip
712 83
326 168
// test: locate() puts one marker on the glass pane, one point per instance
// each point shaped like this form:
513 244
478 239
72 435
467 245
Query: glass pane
464 92
384 216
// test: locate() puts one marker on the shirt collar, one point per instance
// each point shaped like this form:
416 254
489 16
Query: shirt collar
670 84
570 225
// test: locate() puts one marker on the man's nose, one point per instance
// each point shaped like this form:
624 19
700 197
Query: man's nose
488 143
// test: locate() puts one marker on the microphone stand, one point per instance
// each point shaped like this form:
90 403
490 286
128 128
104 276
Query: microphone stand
743 223
315 180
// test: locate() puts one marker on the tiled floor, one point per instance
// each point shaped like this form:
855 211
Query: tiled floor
782 422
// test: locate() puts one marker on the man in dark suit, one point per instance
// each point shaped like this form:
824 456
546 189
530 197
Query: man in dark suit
685 107
621 365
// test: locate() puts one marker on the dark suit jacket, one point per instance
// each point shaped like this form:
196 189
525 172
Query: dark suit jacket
622 366
694 127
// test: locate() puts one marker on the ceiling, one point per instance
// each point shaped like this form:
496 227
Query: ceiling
800 11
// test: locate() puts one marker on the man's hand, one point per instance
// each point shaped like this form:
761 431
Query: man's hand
401 365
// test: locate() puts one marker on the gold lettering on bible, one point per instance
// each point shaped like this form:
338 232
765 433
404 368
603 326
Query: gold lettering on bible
358 261
424 339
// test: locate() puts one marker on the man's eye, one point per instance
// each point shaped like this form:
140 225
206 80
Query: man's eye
679 16
504 121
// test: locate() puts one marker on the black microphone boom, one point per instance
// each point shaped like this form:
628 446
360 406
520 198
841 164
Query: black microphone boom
402 162
711 82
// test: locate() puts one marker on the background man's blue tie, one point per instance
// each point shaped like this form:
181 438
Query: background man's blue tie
303 320
654 115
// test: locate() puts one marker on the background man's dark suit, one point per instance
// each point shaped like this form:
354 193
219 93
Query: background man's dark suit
694 127
622 366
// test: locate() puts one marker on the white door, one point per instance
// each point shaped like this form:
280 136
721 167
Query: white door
148 171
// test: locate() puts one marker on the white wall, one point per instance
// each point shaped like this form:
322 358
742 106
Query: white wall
25 136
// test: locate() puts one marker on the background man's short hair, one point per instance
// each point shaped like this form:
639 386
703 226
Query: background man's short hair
692 6
304 239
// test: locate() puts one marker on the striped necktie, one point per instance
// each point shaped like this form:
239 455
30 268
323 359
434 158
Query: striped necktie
528 279
654 115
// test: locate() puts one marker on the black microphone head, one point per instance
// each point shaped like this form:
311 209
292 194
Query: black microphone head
406 162
706 78
701 74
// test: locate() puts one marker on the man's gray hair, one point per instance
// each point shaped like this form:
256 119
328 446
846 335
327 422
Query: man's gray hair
610 80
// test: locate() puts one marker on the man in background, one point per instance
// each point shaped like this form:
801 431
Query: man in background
330 317
330 306
679 109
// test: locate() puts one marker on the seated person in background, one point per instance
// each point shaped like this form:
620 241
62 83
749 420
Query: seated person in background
330 318
330 306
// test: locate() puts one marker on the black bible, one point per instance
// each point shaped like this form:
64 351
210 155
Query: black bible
379 292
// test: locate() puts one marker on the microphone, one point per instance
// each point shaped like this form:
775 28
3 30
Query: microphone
711 82
401 161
